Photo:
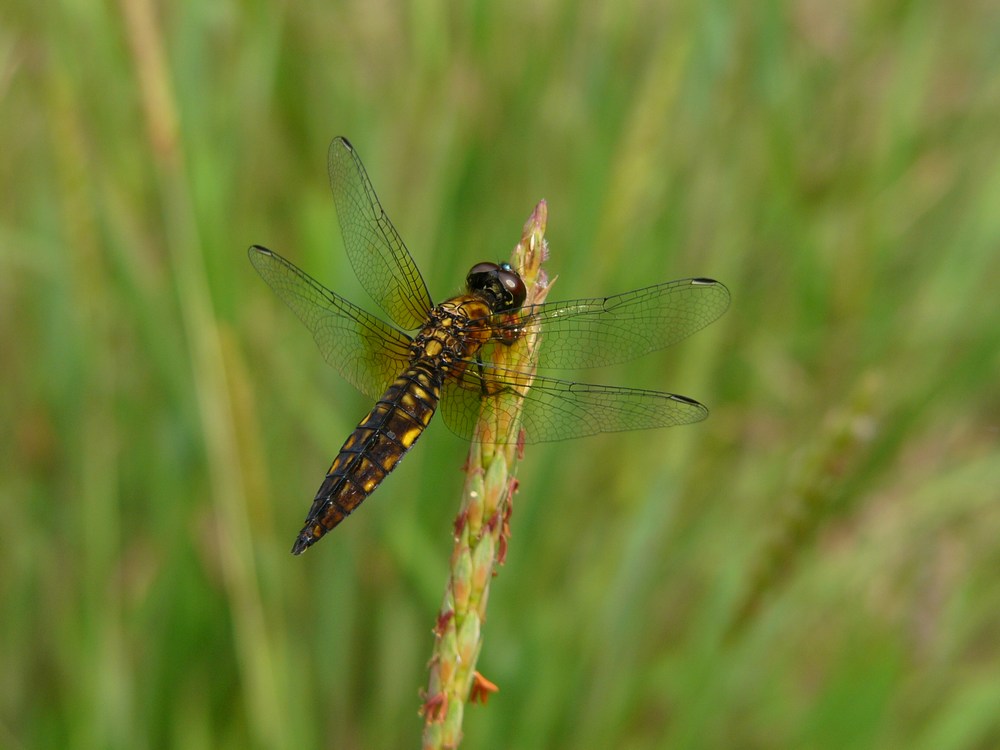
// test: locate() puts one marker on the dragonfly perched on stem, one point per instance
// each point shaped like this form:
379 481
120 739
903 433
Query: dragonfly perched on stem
445 365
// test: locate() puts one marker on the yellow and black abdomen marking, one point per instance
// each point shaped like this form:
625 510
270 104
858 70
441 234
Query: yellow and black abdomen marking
373 449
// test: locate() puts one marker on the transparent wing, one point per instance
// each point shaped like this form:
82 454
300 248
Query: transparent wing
557 409
368 353
381 261
607 330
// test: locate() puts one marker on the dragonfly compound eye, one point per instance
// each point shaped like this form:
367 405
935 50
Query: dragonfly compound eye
513 285
500 284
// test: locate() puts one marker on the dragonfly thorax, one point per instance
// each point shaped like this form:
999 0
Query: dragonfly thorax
455 331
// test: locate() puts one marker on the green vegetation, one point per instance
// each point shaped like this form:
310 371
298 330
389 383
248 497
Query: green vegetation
814 566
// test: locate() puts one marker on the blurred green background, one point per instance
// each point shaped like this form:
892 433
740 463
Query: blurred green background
814 566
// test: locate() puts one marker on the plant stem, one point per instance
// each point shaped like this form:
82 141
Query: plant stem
482 526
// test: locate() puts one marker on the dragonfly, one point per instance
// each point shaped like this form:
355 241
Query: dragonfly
443 365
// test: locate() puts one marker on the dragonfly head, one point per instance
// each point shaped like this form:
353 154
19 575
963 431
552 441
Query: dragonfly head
499 285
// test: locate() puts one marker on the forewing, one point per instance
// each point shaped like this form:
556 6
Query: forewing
381 261
607 330
557 409
367 352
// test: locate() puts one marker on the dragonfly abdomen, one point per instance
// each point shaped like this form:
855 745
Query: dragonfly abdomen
372 451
